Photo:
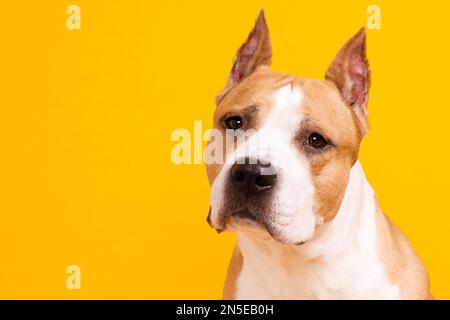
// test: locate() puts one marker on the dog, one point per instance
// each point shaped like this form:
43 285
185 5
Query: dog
308 223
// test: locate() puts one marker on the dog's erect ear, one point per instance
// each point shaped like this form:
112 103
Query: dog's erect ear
255 52
350 72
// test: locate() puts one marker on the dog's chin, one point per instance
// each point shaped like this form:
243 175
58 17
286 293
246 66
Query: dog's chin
243 221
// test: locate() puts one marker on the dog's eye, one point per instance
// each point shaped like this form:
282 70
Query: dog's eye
234 122
316 140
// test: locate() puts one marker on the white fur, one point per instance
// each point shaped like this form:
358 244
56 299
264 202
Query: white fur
292 209
340 262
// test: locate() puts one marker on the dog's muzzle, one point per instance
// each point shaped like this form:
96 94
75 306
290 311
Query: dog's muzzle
248 193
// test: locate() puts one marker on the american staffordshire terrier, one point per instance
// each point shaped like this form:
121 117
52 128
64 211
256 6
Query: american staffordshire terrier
307 221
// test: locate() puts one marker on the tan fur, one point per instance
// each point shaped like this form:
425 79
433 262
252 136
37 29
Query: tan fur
402 264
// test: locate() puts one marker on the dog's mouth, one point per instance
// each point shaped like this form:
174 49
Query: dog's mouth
242 218
245 220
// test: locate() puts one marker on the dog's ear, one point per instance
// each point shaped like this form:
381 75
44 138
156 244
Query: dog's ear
350 72
255 52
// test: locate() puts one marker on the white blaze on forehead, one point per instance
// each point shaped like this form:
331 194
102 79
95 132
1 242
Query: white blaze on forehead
285 113
275 137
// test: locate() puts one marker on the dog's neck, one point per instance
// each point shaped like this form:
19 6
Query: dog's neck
353 226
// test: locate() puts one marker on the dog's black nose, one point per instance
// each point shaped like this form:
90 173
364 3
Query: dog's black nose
252 177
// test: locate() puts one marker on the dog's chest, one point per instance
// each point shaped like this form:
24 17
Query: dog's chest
356 275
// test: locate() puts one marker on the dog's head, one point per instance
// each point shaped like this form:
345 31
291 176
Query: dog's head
293 141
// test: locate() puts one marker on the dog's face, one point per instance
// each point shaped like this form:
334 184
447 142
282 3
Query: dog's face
295 142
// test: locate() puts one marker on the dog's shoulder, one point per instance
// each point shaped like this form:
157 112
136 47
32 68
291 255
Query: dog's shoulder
403 266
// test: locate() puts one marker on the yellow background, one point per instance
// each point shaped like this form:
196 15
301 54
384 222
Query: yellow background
86 116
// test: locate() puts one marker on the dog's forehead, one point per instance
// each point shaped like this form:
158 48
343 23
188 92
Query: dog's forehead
259 88
319 100
322 99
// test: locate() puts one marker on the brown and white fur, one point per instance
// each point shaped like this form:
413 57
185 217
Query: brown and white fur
319 232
